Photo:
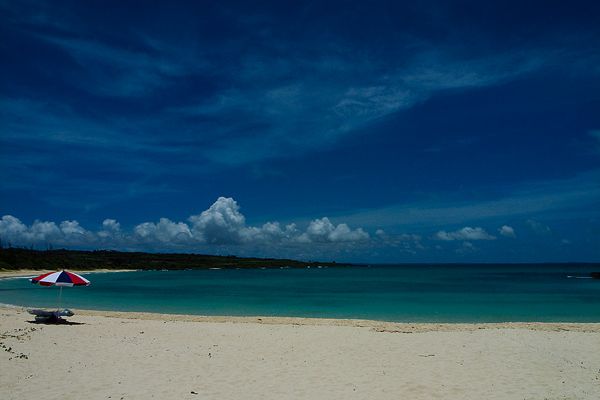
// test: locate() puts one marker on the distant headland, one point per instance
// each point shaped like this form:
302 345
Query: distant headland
20 258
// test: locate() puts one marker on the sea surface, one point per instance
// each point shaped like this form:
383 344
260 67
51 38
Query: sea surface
410 293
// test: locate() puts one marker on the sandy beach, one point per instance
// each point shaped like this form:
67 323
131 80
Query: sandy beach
34 272
105 355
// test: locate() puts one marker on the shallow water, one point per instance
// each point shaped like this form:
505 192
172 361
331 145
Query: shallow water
419 293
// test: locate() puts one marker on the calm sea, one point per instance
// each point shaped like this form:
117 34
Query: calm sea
440 293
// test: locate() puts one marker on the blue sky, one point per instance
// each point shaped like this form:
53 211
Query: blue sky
349 131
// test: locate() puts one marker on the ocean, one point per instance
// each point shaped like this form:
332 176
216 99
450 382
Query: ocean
404 293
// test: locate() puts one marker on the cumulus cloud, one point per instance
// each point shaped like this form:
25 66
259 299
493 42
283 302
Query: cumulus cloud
221 224
507 231
111 225
323 230
165 231
12 227
111 229
43 230
466 233
67 232
72 228
269 233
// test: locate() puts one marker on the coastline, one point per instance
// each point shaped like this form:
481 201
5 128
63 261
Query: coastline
376 325
143 355
379 326
25 273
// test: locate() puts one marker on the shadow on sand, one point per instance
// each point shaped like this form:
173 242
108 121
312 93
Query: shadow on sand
55 321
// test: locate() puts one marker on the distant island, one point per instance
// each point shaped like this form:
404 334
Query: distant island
20 258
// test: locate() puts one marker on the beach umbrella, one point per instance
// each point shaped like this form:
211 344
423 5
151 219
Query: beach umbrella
60 279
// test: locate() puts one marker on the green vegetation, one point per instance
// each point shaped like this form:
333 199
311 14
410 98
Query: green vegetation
19 258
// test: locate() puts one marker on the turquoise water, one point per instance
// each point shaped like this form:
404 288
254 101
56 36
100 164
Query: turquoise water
432 293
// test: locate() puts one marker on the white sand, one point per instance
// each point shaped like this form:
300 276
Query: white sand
14 273
142 356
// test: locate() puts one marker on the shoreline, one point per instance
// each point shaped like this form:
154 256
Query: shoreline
379 326
26 273
376 325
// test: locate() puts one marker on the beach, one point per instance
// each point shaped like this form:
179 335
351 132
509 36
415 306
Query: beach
19 273
108 355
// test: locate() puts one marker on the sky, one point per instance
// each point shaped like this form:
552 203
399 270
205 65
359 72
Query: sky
348 131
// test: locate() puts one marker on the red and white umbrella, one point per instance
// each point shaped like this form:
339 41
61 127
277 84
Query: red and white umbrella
60 278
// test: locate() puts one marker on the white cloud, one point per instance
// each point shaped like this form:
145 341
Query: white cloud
72 228
111 225
43 231
222 224
165 231
323 230
66 233
507 231
466 233
12 227
269 233
72 232
111 229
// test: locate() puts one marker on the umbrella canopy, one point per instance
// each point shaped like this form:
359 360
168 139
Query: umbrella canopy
60 278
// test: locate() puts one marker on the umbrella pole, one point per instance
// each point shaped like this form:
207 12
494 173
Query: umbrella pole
59 297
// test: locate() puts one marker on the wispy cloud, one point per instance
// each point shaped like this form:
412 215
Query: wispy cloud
290 116
237 123
114 71
266 103
573 195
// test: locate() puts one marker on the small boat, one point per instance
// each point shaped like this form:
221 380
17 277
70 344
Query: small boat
595 275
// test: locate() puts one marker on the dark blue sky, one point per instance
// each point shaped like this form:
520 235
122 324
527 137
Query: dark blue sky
356 131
